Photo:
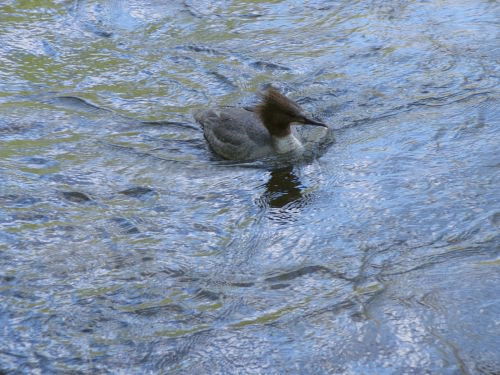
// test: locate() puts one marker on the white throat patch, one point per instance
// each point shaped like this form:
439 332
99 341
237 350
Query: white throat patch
287 144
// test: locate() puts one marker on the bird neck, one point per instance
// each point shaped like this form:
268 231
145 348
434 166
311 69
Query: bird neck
286 143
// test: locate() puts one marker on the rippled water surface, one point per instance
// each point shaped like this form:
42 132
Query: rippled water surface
126 246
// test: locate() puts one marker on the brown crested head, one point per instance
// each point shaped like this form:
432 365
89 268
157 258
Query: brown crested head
277 112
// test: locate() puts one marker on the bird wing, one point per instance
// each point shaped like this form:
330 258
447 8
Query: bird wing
235 133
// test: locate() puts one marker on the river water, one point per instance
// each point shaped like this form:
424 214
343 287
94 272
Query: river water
127 247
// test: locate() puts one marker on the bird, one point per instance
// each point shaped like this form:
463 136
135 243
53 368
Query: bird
243 134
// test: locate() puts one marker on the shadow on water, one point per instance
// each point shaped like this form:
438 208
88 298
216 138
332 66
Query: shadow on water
283 189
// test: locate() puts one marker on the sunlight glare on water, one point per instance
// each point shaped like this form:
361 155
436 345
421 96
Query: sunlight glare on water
127 246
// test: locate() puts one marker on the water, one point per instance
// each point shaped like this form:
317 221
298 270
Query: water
127 247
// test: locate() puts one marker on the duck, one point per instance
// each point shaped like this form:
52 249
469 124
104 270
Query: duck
242 134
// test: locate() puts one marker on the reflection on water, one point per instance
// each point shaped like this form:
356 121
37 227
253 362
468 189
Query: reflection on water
283 188
127 246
